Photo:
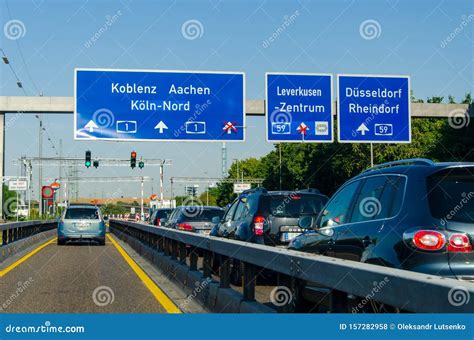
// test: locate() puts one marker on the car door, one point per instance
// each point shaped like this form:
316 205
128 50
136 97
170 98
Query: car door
356 239
225 228
330 220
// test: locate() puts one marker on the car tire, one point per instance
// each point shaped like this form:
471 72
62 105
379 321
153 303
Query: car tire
61 242
102 241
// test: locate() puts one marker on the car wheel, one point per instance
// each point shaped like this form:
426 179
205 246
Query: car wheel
61 242
102 241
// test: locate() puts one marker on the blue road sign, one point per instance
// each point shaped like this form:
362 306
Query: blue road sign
373 109
299 107
142 105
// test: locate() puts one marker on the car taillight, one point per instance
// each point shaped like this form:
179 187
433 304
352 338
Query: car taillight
459 243
258 223
184 226
429 240
157 222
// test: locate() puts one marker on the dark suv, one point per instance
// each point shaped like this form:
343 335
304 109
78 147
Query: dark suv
269 217
411 214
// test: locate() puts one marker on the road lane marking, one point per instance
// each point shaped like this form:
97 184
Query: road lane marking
162 298
24 258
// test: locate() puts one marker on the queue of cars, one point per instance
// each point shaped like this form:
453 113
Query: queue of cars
411 214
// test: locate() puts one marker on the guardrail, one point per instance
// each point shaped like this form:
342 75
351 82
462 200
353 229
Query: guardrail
407 290
14 231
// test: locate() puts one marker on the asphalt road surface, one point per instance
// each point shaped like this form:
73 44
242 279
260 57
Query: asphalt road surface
81 278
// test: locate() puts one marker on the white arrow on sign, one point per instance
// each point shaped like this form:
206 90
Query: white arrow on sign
362 129
161 126
91 126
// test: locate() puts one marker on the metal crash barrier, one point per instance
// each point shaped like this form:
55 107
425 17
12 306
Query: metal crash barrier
15 231
406 290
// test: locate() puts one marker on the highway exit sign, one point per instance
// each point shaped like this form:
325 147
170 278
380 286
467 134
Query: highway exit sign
147 105
373 109
299 107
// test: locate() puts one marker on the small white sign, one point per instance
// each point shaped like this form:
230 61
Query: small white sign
132 210
241 187
18 185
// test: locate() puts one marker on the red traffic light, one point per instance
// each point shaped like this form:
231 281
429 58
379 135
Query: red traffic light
133 154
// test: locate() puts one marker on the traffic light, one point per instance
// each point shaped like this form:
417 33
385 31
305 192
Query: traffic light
95 164
141 164
88 159
133 159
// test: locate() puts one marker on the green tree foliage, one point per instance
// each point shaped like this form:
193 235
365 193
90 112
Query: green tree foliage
327 166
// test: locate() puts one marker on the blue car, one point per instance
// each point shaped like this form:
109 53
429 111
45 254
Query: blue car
81 222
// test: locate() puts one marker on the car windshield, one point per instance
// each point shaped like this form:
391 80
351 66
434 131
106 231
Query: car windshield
295 205
199 214
81 214
451 195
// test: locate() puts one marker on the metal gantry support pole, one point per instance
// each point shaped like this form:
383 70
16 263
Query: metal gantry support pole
161 184
40 170
141 200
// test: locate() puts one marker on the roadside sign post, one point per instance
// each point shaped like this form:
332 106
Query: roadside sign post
241 187
299 107
152 105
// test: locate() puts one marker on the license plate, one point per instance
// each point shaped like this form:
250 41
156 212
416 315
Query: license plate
205 232
289 236
83 225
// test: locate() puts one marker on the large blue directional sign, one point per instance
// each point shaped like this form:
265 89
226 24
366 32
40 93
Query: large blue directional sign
159 105
299 107
374 109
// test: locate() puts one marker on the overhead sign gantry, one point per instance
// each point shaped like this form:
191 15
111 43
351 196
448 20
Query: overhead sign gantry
144 105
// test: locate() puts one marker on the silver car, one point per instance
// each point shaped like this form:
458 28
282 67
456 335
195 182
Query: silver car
81 222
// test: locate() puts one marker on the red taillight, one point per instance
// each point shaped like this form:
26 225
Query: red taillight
157 222
296 197
459 243
184 226
429 240
258 223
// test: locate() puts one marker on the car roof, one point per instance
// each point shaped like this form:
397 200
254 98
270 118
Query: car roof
412 169
207 207
82 206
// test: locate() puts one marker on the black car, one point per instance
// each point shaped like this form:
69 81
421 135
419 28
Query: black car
160 215
411 214
269 217
197 219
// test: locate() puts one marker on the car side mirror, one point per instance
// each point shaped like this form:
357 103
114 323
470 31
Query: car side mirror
216 220
306 222
163 220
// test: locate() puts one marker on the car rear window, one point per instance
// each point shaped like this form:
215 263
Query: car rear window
82 214
295 205
162 213
199 214
451 195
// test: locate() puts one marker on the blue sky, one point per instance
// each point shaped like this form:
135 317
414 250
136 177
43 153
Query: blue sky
321 36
